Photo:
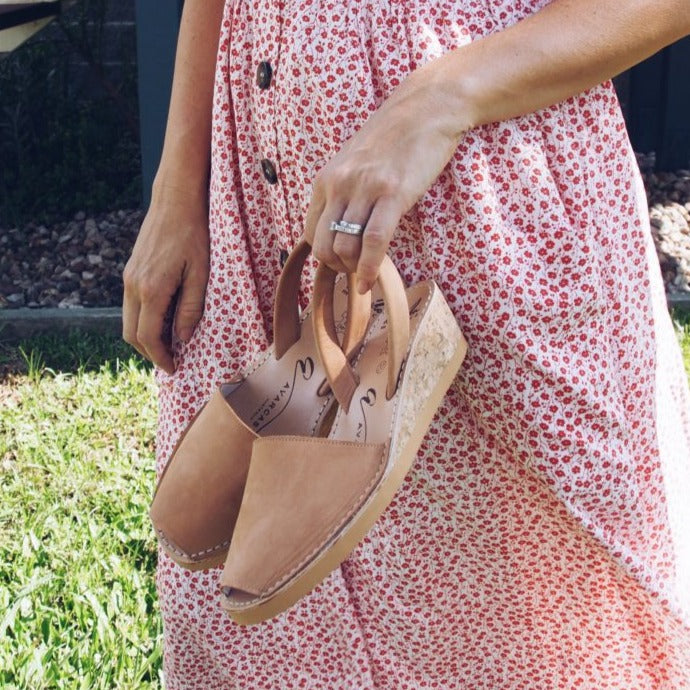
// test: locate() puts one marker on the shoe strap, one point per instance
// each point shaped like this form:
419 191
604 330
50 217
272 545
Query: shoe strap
286 316
340 374
300 492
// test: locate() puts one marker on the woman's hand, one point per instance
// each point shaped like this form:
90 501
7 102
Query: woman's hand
380 173
391 161
168 270
166 276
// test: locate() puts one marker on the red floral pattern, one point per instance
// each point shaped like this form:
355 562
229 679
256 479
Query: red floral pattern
541 540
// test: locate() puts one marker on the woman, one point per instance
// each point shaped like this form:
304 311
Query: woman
539 541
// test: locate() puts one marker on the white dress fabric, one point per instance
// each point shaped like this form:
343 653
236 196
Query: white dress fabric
542 539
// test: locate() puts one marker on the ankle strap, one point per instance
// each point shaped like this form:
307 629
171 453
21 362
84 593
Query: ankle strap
340 374
286 317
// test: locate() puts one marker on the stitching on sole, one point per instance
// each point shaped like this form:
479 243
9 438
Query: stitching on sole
192 556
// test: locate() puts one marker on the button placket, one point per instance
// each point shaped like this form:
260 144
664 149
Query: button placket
267 68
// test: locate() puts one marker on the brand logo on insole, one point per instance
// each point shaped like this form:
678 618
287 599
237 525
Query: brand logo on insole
382 354
378 307
367 400
273 407
341 323
414 309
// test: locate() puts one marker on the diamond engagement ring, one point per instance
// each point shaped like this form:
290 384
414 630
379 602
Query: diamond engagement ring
347 228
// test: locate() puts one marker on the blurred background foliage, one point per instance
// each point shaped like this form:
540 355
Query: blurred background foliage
69 137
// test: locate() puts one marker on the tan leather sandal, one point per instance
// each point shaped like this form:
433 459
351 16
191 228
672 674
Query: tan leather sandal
309 501
198 496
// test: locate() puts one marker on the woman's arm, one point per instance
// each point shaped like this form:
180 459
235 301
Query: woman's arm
170 256
187 147
567 47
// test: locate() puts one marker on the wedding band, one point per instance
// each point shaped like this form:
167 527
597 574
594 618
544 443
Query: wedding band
347 228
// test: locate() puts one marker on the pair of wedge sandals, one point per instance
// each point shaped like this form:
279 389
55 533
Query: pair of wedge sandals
283 472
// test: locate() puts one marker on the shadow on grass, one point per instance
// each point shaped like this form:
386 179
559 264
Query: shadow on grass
680 316
72 352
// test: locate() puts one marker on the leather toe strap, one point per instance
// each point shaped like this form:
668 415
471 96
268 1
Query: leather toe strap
300 492
199 494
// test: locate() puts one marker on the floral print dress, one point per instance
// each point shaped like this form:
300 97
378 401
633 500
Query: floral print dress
542 539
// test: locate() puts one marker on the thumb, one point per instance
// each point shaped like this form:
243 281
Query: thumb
190 306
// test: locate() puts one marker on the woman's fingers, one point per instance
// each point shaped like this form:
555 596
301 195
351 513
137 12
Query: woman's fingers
190 304
166 275
147 317
151 333
146 302
130 320
378 233
351 189
324 236
348 247
361 254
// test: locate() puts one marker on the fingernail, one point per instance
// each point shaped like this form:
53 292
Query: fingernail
184 334
362 286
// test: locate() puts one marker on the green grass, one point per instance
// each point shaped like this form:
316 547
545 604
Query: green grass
77 555
682 323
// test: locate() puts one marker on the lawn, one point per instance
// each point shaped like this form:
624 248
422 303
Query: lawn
77 599
77 556
683 329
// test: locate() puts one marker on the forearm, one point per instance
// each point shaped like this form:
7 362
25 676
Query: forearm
567 47
186 151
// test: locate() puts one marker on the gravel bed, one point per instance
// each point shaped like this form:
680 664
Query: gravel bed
79 263
668 194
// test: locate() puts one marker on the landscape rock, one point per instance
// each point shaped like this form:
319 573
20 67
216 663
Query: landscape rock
69 264
669 215
16 299
79 262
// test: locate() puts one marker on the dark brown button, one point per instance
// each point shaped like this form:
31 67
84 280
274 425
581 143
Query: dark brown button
269 171
284 253
264 72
